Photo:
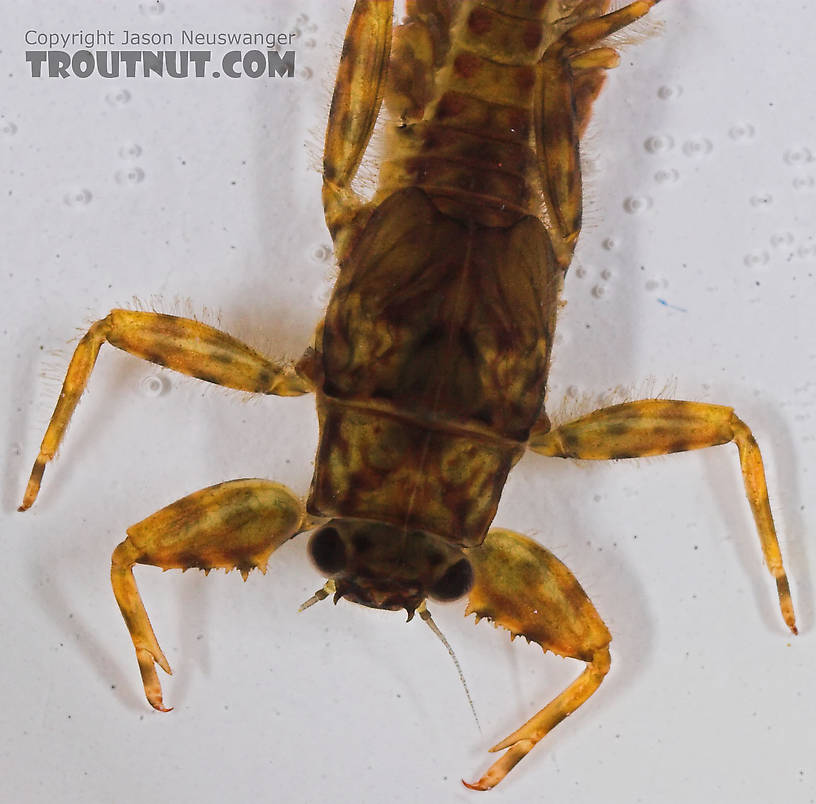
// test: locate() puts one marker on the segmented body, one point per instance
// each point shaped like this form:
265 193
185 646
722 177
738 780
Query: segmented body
437 339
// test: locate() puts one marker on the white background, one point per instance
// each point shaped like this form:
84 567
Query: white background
701 194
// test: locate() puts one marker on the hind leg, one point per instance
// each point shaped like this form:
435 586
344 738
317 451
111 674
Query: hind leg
662 426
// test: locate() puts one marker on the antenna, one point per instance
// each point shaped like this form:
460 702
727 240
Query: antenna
422 609
320 594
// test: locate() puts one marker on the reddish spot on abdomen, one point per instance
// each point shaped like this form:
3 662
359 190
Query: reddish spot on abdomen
532 36
466 65
480 21
525 77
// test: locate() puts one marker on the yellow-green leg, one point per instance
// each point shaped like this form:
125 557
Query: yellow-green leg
358 95
662 426
234 525
524 588
181 344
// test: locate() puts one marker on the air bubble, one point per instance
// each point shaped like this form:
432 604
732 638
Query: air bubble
133 176
599 291
310 42
323 293
16 449
780 239
118 98
804 183
668 176
742 132
659 143
302 19
806 251
636 204
8 128
606 274
322 253
797 156
78 198
698 147
761 200
572 391
152 9
153 385
610 244
306 73
130 151
580 272
589 165
667 92
756 259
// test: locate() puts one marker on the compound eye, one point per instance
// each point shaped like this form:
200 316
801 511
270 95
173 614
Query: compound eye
457 580
328 551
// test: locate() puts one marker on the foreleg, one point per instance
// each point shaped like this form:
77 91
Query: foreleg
234 525
527 590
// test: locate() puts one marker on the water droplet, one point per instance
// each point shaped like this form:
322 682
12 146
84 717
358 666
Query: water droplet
667 176
804 183
118 97
306 73
323 293
311 42
652 284
756 259
636 204
323 253
130 150
797 156
8 128
610 244
589 164
697 147
780 239
78 198
761 200
572 391
659 143
599 291
302 19
155 8
133 176
606 274
742 132
580 272
670 92
153 385
803 252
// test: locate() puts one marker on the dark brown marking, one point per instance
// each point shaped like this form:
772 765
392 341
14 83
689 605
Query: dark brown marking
467 65
525 78
531 38
480 21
